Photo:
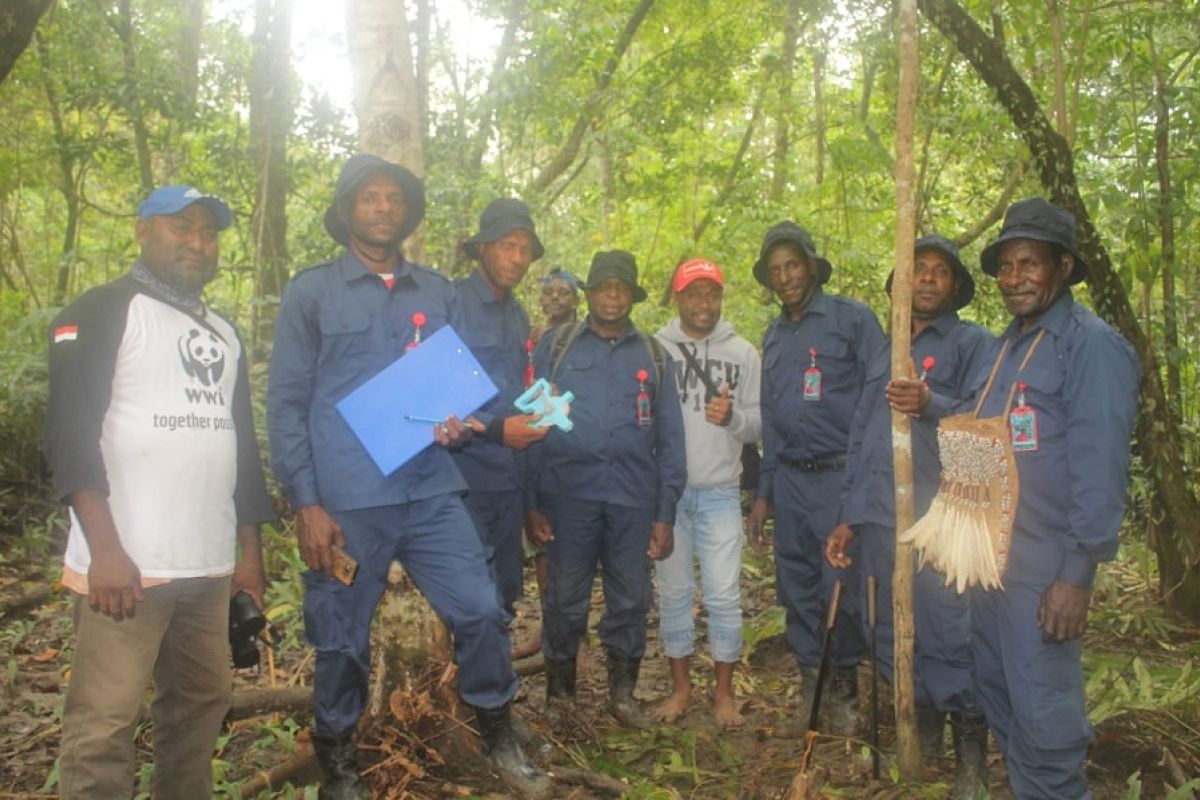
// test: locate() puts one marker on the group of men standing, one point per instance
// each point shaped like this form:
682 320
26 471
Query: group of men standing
145 377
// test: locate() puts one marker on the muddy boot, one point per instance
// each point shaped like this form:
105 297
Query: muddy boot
842 699
931 724
970 756
338 757
622 678
560 693
505 756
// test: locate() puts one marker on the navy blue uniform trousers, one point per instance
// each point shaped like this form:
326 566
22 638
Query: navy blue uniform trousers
806 511
588 534
435 541
499 519
942 661
1031 692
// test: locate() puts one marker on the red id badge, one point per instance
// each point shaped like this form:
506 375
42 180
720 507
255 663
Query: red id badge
643 410
812 384
812 378
1023 422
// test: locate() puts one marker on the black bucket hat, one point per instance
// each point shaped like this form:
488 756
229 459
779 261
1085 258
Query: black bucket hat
1040 221
788 231
966 283
502 217
356 169
618 264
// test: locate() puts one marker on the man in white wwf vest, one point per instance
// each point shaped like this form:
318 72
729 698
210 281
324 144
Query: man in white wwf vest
150 437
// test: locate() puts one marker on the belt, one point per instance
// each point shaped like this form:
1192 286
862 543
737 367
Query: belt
825 463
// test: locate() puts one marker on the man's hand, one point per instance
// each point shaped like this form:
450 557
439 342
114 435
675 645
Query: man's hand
249 575
662 540
907 396
836 544
756 523
719 410
452 432
1063 612
316 531
519 433
114 583
537 527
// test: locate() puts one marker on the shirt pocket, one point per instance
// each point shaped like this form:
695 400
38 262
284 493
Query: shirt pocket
346 342
1042 386
835 359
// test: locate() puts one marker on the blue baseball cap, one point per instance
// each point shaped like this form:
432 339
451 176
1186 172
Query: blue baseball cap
169 200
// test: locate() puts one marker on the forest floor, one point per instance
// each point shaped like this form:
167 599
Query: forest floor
1141 691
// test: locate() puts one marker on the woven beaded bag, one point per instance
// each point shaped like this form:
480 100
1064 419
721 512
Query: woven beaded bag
967 531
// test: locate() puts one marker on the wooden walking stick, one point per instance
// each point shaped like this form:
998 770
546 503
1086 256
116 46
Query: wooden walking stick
872 620
908 750
802 783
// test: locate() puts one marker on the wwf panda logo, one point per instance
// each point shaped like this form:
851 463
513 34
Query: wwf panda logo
203 356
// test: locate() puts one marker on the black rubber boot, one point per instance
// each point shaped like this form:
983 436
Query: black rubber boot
844 719
560 692
338 757
507 758
931 729
622 678
970 756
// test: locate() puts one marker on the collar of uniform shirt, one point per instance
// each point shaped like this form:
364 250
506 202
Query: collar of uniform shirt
818 304
944 323
352 269
1053 319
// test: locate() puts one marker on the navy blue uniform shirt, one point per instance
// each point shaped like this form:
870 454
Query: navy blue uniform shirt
607 457
495 330
845 335
338 326
958 348
1082 384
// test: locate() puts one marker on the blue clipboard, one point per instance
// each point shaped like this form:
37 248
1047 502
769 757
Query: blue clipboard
437 379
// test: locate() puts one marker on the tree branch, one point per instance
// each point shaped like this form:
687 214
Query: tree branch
570 148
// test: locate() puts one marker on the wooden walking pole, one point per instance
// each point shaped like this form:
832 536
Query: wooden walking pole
908 750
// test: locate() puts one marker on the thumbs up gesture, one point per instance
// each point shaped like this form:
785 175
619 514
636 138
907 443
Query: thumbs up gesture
719 410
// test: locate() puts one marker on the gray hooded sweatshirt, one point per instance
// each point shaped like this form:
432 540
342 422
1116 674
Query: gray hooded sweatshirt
714 452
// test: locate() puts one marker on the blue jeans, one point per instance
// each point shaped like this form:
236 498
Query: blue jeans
708 530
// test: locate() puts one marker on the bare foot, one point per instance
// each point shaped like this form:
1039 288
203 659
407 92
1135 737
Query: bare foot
530 647
673 707
726 711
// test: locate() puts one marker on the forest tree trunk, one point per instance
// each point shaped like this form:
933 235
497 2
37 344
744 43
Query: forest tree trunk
1157 428
271 115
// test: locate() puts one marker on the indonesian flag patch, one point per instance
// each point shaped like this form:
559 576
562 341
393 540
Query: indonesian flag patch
66 333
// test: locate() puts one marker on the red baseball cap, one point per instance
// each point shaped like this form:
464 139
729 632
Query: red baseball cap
694 270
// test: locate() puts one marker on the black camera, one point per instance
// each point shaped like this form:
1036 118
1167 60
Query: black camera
246 622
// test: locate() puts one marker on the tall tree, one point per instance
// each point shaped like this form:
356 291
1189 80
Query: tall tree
1157 427
787 68
18 21
561 161
121 23
385 88
271 116
69 170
